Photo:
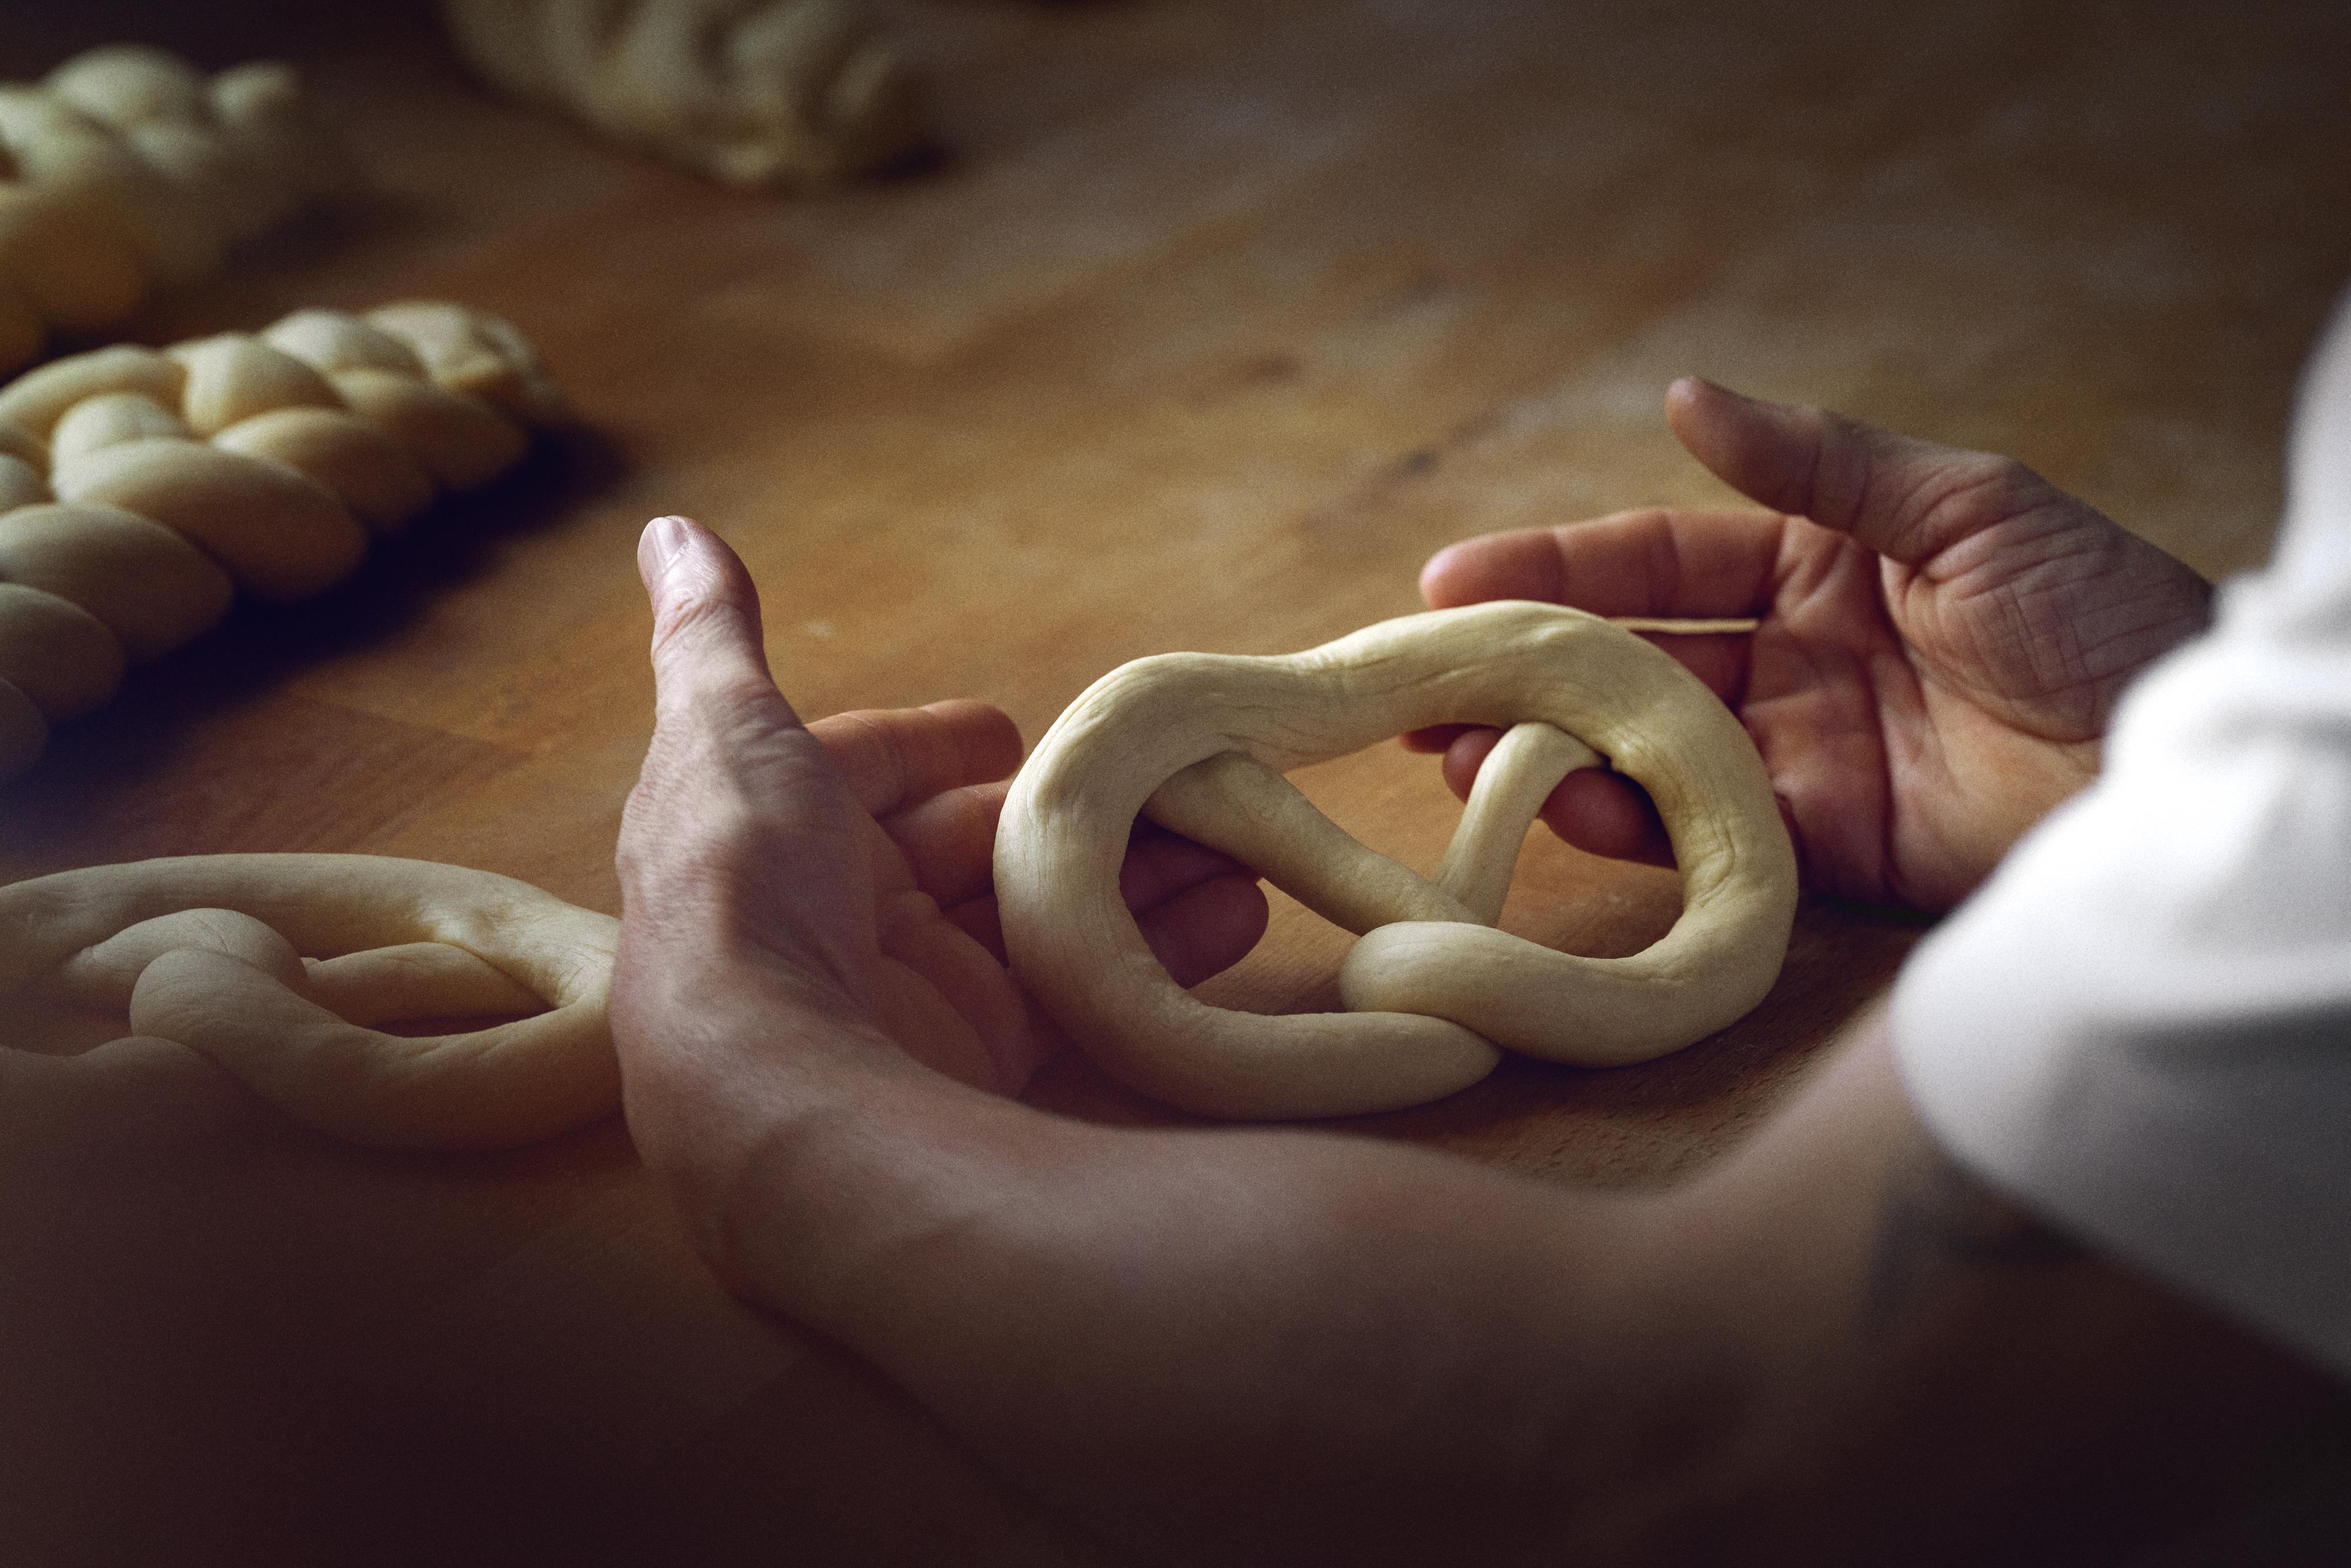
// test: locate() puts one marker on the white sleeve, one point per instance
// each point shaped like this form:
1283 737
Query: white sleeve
2141 1026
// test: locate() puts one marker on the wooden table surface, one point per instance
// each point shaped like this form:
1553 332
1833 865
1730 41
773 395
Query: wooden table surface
1214 320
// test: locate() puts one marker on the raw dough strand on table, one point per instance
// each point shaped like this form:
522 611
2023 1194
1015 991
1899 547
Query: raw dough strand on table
280 968
142 489
128 170
784 92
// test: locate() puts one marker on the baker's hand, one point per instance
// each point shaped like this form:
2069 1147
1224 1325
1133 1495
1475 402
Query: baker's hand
1944 636
833 876
1236 1346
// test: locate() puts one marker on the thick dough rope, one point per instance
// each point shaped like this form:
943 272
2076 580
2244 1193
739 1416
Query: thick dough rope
127 170
141 490
753 92
1200 741
281 967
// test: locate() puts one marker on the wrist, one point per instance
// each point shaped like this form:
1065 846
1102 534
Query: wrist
720 1061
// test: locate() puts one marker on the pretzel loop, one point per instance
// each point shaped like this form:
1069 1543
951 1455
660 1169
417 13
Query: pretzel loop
1197 742
283 967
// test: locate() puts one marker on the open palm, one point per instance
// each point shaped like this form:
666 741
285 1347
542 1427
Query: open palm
1942 637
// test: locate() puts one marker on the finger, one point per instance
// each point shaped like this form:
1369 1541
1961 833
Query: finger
1902 497
1719 660
980 919
1466 755
1608 815
1599 812
706 649
1653 562
1436 739
949 841
954 1013
1201 930
1160 865
733 789
1206 929
896 758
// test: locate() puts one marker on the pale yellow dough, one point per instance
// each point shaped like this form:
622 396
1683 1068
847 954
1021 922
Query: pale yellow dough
127 170
141 490
280 968
752 92
1199 742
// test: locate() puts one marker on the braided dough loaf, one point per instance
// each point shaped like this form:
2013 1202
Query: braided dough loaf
281 967
1199 742
752 92
141 490
128 169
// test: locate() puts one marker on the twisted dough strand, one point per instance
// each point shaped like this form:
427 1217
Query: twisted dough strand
752 92
127 168
282 968
141 490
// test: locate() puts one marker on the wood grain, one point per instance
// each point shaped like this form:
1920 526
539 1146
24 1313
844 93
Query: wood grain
1215 320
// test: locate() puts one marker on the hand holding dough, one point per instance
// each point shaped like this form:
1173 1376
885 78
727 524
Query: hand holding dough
1199 742
127 170
752 92
141 490
280 968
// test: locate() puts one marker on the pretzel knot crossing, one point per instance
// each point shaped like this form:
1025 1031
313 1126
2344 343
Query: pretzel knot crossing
127 170
283 968
1198 743
141 490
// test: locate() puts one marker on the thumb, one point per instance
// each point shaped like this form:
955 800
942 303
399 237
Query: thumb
707 650
1902 497
729 763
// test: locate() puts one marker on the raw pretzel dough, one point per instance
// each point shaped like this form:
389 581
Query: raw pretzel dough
1200 741
127 168
204 950
752 92
141 490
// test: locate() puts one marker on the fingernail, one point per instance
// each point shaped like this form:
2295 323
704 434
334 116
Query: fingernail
668 536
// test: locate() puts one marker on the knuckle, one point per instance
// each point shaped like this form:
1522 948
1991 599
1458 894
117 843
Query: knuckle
689 616
1981 490
1965 495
